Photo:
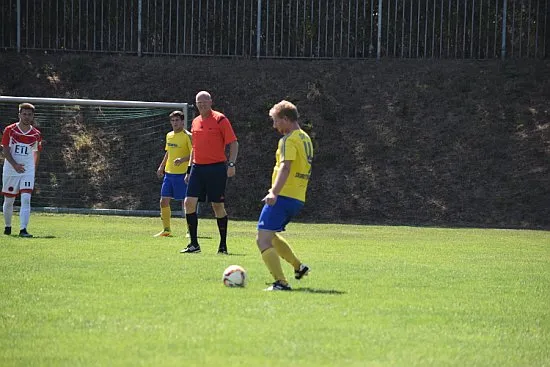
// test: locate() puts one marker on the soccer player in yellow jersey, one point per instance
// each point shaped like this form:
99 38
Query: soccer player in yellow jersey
174 168
286 196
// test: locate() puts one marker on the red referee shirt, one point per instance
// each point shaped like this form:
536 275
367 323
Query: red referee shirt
210 136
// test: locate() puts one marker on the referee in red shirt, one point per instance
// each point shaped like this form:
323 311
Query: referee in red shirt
207 175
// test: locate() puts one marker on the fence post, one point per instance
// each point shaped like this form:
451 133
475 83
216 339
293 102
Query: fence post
18 25
140 3
258 29
503 45
379 38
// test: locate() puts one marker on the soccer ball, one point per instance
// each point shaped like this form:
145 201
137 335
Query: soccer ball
234 276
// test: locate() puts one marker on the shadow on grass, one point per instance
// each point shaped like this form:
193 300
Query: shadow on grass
198 237
31 238
318 291
233 254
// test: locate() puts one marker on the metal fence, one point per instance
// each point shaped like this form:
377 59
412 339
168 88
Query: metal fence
479 29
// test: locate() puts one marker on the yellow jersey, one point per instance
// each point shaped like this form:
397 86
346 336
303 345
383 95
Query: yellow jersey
178 145
296 146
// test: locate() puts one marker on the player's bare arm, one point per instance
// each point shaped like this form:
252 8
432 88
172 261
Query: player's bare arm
36 159
19 168
280 180
186 178
233 152
181 160
160 170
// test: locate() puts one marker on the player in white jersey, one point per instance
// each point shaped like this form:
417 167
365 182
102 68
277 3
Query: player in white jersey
21 146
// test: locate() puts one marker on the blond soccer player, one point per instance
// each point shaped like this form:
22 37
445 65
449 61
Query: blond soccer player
286 196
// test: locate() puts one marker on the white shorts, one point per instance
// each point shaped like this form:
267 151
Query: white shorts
14 185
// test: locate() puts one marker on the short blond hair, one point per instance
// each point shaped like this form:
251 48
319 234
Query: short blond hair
26 106
285 109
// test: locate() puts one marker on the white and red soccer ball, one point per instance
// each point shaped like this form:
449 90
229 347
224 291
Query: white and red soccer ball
234 276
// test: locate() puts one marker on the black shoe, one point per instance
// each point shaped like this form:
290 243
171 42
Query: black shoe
7 231
222 250
24 233
190 249
278 286
301 272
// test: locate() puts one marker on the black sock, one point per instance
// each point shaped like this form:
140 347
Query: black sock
222 228
192 224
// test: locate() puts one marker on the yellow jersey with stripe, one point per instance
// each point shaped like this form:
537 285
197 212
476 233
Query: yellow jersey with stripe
296 147
178 145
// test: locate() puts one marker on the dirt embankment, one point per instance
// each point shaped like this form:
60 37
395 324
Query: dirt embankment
416 142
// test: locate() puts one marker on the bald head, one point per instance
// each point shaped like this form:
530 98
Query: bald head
203 96
203 100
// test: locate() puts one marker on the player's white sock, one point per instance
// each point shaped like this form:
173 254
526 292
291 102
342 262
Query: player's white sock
8 210
25 211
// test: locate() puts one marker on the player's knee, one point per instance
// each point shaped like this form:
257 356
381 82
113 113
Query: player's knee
219 210
189 205
263 240
258 242
25 199
9 200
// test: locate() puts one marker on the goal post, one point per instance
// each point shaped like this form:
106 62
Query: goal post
99 156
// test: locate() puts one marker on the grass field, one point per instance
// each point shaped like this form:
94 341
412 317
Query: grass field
100 291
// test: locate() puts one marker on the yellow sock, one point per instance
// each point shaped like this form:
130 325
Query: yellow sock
283 249
165 215
273 263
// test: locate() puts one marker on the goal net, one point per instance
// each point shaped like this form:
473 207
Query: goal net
98 155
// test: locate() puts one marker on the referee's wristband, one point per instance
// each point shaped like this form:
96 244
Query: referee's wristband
188 169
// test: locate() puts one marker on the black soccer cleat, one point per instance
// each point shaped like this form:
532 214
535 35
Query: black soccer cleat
278 286
222 250
191 249
24 233
301 272
7 231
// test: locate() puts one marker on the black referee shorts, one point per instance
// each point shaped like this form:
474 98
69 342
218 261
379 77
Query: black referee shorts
208 180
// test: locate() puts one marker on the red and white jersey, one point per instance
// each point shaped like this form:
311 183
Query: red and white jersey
22 146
